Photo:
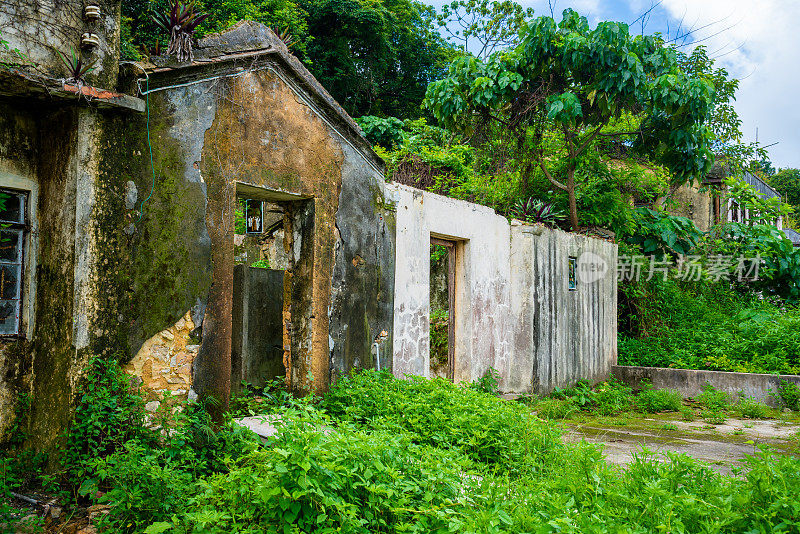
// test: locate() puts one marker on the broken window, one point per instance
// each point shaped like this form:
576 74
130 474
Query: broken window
13 205
573 280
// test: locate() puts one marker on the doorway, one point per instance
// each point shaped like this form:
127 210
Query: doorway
273 274
443 308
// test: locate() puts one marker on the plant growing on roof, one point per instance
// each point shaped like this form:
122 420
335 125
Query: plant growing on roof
76 68
536 211
181 22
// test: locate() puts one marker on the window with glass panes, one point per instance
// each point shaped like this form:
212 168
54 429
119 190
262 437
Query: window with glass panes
12 239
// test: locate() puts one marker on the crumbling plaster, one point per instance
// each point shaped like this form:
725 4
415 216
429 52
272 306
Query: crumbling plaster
514 309
482 282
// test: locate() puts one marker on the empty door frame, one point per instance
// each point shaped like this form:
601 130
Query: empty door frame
451 303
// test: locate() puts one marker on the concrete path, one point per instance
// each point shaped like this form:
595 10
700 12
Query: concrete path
721 446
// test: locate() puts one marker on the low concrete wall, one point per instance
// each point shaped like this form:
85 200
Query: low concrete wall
690 382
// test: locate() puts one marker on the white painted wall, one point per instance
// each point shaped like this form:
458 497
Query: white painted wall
482 282
514 310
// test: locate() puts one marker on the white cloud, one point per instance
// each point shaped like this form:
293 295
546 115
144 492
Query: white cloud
758 42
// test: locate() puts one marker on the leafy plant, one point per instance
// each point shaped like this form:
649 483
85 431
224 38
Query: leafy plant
488 383
658 232
76 68
788 395
749 408
536 211
180 24
651 400
714 399
110 412
550 408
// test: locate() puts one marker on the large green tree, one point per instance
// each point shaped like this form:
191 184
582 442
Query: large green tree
375 57
787 183
578 84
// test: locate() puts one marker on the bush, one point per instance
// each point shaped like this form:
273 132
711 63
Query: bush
613 397
343 480
788 395
438 413
488 383
651 400
110 413
713 399
749 408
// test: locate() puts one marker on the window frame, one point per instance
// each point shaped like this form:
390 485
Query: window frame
27 293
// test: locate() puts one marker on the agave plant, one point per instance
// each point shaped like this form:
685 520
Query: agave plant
536 211
285 36
180 23
76 68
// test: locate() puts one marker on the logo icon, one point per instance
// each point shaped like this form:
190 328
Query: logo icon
591 267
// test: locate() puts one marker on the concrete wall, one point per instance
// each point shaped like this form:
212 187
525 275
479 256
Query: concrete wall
688 201
42 29
514 311
560 336
690 382
481 286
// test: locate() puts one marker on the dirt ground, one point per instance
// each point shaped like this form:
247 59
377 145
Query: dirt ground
722 446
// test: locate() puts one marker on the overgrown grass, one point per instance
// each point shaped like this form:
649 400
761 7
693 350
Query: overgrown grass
380 454
706 326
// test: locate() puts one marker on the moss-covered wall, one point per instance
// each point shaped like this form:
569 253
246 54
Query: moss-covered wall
40 29
126 249
45 366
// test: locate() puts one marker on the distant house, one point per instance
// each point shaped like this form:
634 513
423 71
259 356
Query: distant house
706 205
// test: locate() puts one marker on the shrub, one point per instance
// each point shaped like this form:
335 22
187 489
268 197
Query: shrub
713 399
651 400
788 395
438 413
612 397
749 408
488 383
110 413
342 480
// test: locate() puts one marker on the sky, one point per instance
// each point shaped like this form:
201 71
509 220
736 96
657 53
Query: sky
756 41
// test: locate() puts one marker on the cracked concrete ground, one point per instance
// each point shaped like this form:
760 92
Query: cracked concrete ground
721 446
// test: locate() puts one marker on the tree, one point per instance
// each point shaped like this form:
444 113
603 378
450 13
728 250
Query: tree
576 82
787 183
375 58
482 27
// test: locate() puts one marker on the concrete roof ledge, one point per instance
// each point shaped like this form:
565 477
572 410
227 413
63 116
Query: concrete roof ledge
245 35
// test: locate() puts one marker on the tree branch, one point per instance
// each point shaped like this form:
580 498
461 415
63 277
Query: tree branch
550 177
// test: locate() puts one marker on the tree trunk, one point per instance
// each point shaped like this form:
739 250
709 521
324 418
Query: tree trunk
573 203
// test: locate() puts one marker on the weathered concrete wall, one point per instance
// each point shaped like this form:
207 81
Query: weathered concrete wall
690 382
514 309
40 146
690 202
482 282
560 336
41 29
264 131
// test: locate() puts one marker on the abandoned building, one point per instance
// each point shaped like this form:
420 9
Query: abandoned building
224 220
706 205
